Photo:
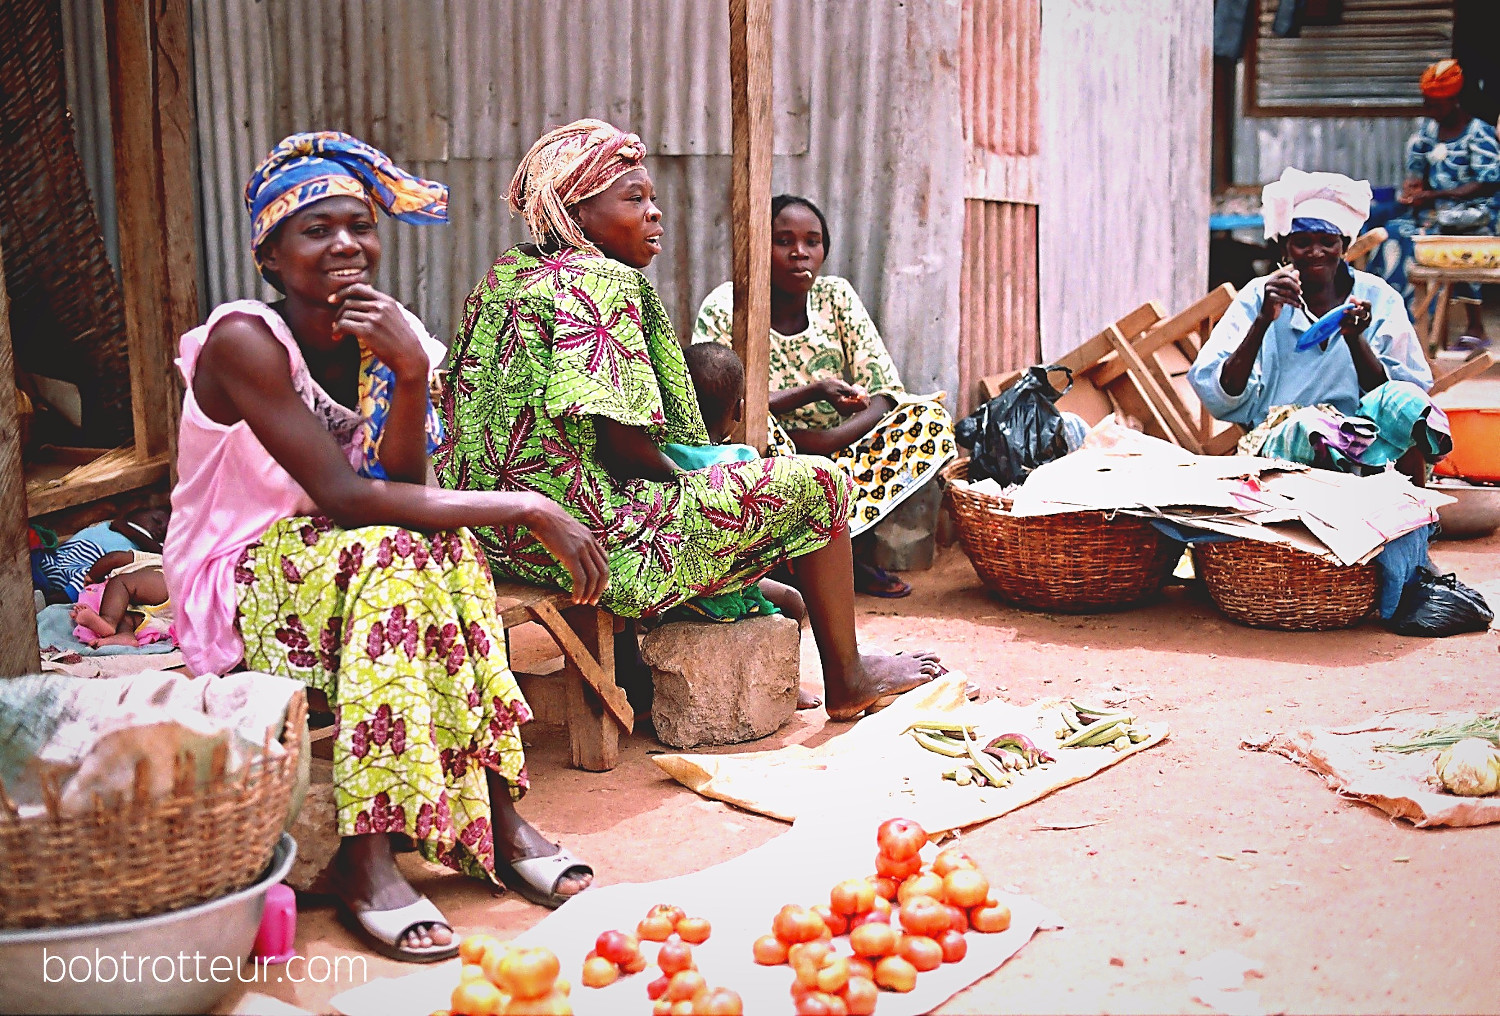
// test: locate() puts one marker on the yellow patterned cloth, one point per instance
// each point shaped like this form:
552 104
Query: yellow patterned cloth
904 450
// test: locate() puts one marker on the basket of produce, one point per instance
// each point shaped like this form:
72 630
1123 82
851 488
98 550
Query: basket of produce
1267 585
1078 562
1457 251
149 853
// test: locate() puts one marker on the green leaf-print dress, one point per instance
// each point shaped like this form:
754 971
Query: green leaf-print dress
550 342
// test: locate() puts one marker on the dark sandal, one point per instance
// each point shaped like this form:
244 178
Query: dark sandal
868 579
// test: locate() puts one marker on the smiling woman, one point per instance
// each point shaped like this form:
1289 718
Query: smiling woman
566 379
304 541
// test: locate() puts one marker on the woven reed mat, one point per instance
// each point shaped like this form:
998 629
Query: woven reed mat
739 898
1396 784
873 768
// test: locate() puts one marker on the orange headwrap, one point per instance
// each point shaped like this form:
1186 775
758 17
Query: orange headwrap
566 166
1443 80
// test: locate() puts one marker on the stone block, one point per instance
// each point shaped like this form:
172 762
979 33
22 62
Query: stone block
316 831
722 683
903 540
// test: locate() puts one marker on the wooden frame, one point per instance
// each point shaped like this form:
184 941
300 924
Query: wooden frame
750 207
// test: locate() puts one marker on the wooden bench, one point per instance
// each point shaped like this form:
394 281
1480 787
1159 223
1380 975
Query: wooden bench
583 694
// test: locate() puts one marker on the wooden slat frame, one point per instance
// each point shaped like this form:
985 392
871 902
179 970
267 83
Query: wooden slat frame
750 207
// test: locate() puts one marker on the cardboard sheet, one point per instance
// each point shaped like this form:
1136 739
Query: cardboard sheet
1397 784
739 898
874 769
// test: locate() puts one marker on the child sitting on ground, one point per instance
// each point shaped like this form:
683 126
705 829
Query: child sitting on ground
132 608
719 381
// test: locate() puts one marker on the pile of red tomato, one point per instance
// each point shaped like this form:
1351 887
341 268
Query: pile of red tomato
906 919
680 990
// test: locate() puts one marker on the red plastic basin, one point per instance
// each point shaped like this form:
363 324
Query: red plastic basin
1476 445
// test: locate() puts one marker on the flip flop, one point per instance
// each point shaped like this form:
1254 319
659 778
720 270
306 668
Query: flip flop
865 575
536 878
383 929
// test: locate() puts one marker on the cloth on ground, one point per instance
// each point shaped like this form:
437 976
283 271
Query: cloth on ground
1392 418
89 736
55 635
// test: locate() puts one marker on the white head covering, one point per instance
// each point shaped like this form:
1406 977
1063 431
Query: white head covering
1333 197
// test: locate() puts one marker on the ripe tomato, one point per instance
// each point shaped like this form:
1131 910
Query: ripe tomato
554 1004
476 998
657 988
769 951
528 973
670 911
719 1002
923 915
473 947
885 887
958 918
861 967
598 971
883 907
833 974
990 917
955 947
661 1007
674 956
635 964
922 884
965 887
898 870
695 930
922 952
838 924
873 940
861 995
817 1003
951 859
685 984
616 946
900 838
895 974
655 928
795 923
683 1007
809 954
852 896
873 917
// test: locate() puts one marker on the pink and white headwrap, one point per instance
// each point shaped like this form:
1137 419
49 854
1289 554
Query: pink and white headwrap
567 165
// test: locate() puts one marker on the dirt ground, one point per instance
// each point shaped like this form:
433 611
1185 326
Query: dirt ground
1342 909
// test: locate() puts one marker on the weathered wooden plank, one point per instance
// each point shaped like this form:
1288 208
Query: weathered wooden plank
131 475
1472 367
1163 405
593 735
18 643
179 220
1173 329
586 662
750 205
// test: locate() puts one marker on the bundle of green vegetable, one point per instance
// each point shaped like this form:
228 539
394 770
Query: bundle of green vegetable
1090 727
1485 727
989 766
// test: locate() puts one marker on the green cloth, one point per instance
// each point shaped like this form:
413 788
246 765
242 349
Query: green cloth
550 343
692 457
726 607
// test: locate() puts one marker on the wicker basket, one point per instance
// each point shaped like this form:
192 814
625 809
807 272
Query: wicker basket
1076 563
149 857
1266 585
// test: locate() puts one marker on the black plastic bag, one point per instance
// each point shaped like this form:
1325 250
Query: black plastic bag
1017 430
1436 606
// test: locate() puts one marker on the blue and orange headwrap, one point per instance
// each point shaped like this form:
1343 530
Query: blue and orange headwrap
323 164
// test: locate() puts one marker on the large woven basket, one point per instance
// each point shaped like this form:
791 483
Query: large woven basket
149 856
1266 585
1077 563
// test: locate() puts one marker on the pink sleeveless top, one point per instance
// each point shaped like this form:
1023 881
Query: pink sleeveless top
230 490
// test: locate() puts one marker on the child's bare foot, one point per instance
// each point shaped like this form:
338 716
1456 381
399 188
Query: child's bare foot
123 638
90 619
877 677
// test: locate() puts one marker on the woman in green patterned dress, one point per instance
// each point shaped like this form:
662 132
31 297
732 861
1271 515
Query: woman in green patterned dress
566 378
284 554
834 389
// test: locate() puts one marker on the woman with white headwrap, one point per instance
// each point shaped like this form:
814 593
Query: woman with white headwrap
1258 366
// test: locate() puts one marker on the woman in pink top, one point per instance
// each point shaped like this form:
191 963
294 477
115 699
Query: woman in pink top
288 555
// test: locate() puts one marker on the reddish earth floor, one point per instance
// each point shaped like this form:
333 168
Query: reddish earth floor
1343 909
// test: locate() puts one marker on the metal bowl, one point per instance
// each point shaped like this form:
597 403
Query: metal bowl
122 966
1475 513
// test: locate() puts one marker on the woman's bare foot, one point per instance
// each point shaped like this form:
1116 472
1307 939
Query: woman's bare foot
517 840
90 619
877 677
807 700
365 877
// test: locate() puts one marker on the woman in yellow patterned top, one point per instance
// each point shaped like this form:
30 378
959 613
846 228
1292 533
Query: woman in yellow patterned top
834 390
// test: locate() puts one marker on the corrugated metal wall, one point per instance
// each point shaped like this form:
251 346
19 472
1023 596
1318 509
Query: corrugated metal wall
998 290
1367 148
865 111
1125 88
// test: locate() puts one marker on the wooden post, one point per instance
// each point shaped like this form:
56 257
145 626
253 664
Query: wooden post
150 88
750 205
18 645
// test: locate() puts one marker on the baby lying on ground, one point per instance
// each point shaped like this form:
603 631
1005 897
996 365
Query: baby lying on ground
131 608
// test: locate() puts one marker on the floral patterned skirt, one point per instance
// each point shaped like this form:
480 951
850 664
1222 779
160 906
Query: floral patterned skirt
905 450
399 630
